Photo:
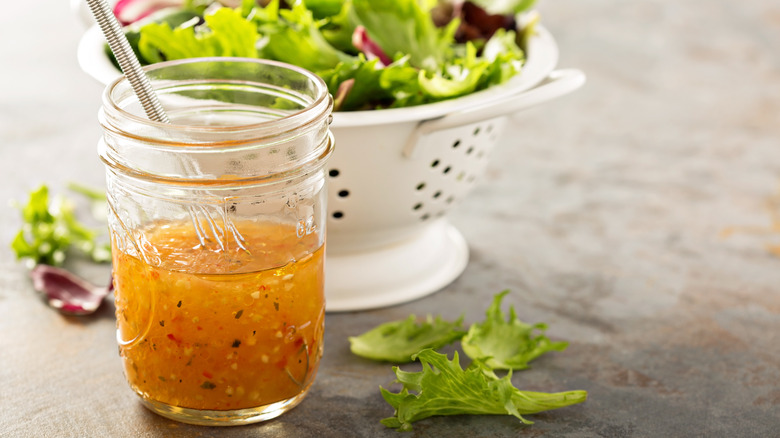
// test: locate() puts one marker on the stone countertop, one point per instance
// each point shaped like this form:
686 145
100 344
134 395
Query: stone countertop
638 217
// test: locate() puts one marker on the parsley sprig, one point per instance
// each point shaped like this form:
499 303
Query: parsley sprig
50 229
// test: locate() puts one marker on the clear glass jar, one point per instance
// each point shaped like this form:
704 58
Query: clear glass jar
218 231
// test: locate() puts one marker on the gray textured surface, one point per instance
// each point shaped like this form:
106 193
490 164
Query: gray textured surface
636 217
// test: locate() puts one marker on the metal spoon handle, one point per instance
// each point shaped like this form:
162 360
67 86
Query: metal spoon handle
128 62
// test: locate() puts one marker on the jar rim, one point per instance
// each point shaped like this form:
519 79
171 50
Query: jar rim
322 98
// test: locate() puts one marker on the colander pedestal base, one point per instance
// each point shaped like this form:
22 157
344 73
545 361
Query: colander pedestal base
398 273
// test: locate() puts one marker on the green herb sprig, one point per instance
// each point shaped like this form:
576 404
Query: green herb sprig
51 229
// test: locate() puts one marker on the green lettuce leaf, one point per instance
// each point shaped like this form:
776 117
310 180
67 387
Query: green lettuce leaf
444 388
354 84
226 33
398 341
404 27
297 40
338 29
505 6
324 8
459 78
501 59
426 63
507 344
504 59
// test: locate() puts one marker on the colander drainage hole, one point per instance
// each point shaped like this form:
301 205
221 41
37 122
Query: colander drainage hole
434 163
425 217
446 170
333 173
476 131
421 186
343 193
437 194
338 215
417 206
469 150
456 144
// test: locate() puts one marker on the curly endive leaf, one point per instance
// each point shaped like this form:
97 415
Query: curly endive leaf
507 343
444 388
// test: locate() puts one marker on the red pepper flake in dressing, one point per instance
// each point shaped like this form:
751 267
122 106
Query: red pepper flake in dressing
208 375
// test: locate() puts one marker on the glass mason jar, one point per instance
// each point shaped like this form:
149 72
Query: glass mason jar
217 224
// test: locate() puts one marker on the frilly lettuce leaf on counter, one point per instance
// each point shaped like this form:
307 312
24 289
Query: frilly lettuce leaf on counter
444 388
399 341
507 343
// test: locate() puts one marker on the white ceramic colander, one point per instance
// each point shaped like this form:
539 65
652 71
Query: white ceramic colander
396 173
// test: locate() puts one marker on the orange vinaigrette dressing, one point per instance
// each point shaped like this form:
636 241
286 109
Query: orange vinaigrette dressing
192 336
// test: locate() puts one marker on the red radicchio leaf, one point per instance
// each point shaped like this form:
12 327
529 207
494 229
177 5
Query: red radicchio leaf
66 292
365 44
476 23
130 11
341 94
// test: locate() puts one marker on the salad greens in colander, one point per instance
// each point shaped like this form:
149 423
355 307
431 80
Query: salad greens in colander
371 53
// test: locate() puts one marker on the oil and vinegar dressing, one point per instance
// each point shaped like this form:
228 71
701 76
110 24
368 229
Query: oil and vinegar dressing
214 328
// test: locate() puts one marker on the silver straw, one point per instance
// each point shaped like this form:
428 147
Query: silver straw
117 41
124 54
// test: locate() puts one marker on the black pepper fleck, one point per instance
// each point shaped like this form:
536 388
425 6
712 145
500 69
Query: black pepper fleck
236 343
